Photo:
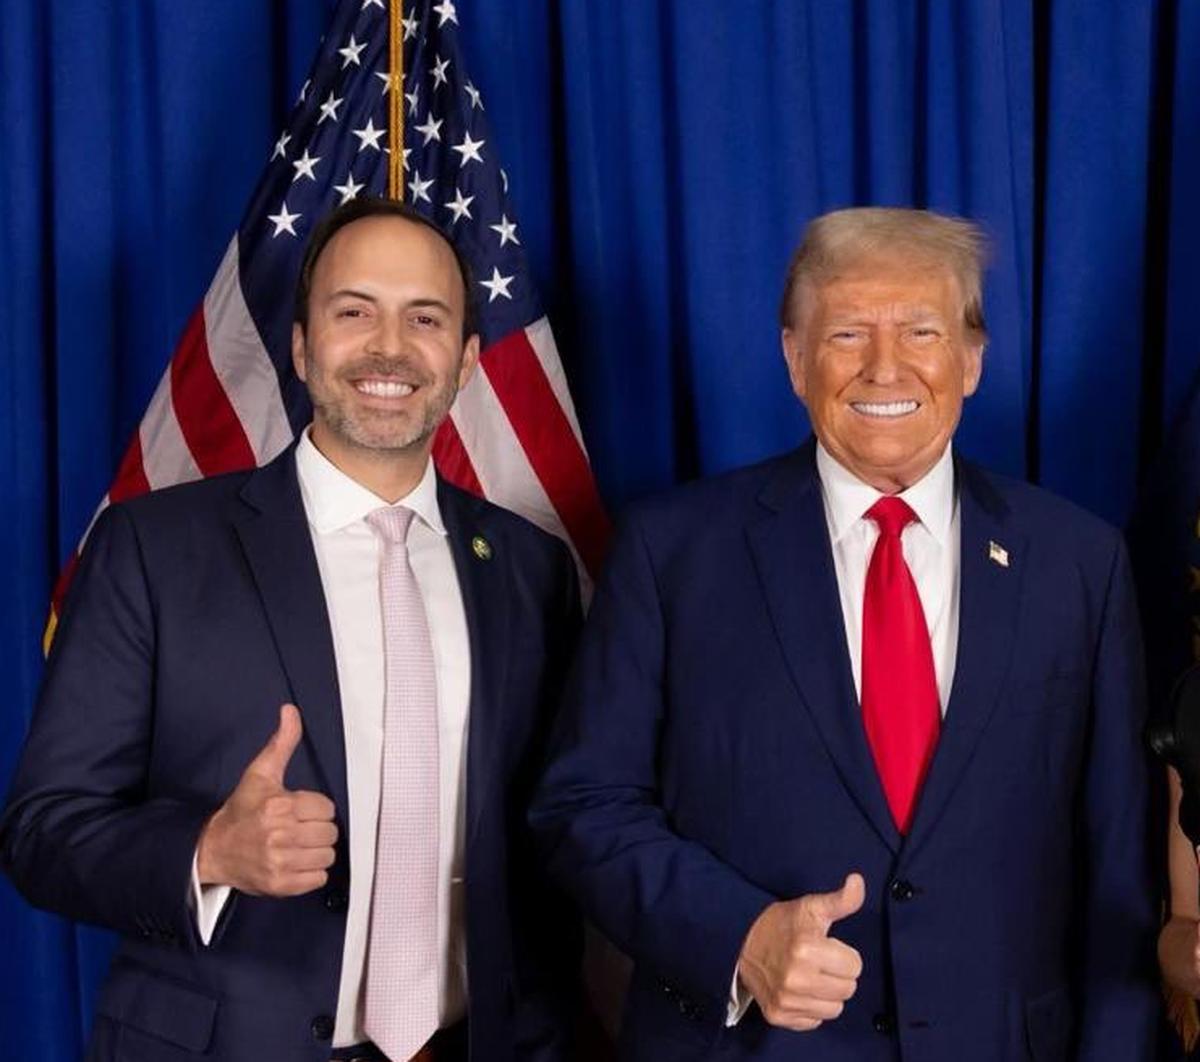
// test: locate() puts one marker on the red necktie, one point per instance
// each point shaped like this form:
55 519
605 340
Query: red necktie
900 705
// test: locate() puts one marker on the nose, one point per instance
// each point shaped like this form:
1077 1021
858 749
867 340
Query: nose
881 360
388 337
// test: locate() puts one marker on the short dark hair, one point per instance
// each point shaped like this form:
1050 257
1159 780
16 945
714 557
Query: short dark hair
373 207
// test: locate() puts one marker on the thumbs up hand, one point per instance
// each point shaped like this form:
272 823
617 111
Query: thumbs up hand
266 840
798 974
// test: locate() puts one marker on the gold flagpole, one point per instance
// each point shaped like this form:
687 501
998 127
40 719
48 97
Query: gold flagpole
396 100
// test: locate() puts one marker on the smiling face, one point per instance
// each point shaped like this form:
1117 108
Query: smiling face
383 353
882 359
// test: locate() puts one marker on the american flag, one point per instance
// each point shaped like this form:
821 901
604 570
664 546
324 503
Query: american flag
229 398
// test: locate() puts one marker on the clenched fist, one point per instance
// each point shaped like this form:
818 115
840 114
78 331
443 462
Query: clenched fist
266 840
798 974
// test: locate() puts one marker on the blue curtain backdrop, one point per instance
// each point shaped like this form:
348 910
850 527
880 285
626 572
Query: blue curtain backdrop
664 158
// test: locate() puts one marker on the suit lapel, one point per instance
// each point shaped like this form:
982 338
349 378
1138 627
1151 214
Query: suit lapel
485 578
989 600
791 551
278 546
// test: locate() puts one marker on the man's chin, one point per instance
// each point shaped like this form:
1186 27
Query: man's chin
385 440
390 445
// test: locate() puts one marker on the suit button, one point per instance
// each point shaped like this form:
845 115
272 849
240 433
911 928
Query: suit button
322 1027
335 901
901 891
884 1024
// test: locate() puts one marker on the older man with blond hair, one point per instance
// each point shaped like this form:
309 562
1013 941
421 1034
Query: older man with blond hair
850 758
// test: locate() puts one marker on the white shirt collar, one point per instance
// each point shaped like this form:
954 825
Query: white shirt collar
847 497
334 501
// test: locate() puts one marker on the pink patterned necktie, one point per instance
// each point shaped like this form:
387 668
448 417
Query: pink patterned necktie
401 1010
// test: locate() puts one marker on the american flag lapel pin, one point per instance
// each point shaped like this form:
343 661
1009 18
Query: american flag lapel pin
997 554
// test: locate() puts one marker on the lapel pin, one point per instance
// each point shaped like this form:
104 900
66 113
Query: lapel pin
481 547
997 554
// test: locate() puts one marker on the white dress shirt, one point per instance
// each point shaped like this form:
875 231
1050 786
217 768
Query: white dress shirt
348 554
932 547
931 550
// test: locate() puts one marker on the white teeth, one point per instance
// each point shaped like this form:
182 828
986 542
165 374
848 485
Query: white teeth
885 409
384 388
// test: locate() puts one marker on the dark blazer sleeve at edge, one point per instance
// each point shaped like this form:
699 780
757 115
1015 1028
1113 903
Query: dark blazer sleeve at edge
667 901
550 975
79 835
1117 900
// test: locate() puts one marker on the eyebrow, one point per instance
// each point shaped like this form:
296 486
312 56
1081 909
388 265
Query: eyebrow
366 296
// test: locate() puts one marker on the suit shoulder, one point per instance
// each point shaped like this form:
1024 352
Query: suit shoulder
711 499
1050 519
183 501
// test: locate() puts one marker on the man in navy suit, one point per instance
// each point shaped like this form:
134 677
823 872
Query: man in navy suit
850 757
249 671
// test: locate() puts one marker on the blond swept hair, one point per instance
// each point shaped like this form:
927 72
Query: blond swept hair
842 239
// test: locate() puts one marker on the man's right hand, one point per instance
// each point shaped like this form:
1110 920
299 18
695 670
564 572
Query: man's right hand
1179 954
798 974
266 840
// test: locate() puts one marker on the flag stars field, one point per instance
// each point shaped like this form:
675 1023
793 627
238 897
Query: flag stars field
284 222
460 206
329 108
349 190
305 166
431 129
351 52
369 136
497 285
419 189
506 229
469 149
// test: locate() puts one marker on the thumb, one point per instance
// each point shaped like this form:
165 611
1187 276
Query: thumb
272 761
830 907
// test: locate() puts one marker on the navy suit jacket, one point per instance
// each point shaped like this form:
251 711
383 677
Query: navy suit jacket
196 612
711 759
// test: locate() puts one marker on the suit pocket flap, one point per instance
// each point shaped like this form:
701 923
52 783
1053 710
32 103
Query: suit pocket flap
161 1006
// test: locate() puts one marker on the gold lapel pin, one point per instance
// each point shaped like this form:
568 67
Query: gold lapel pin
997 554
481 547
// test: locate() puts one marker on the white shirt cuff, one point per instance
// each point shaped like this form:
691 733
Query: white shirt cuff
738 1003
207 902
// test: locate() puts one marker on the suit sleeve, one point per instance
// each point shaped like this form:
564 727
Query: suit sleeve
81 834
666 900
1118 916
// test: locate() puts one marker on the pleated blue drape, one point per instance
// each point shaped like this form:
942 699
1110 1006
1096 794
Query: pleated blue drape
664 157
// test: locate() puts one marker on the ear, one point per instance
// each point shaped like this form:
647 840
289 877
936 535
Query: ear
470 359
298 349
793 354
972 368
